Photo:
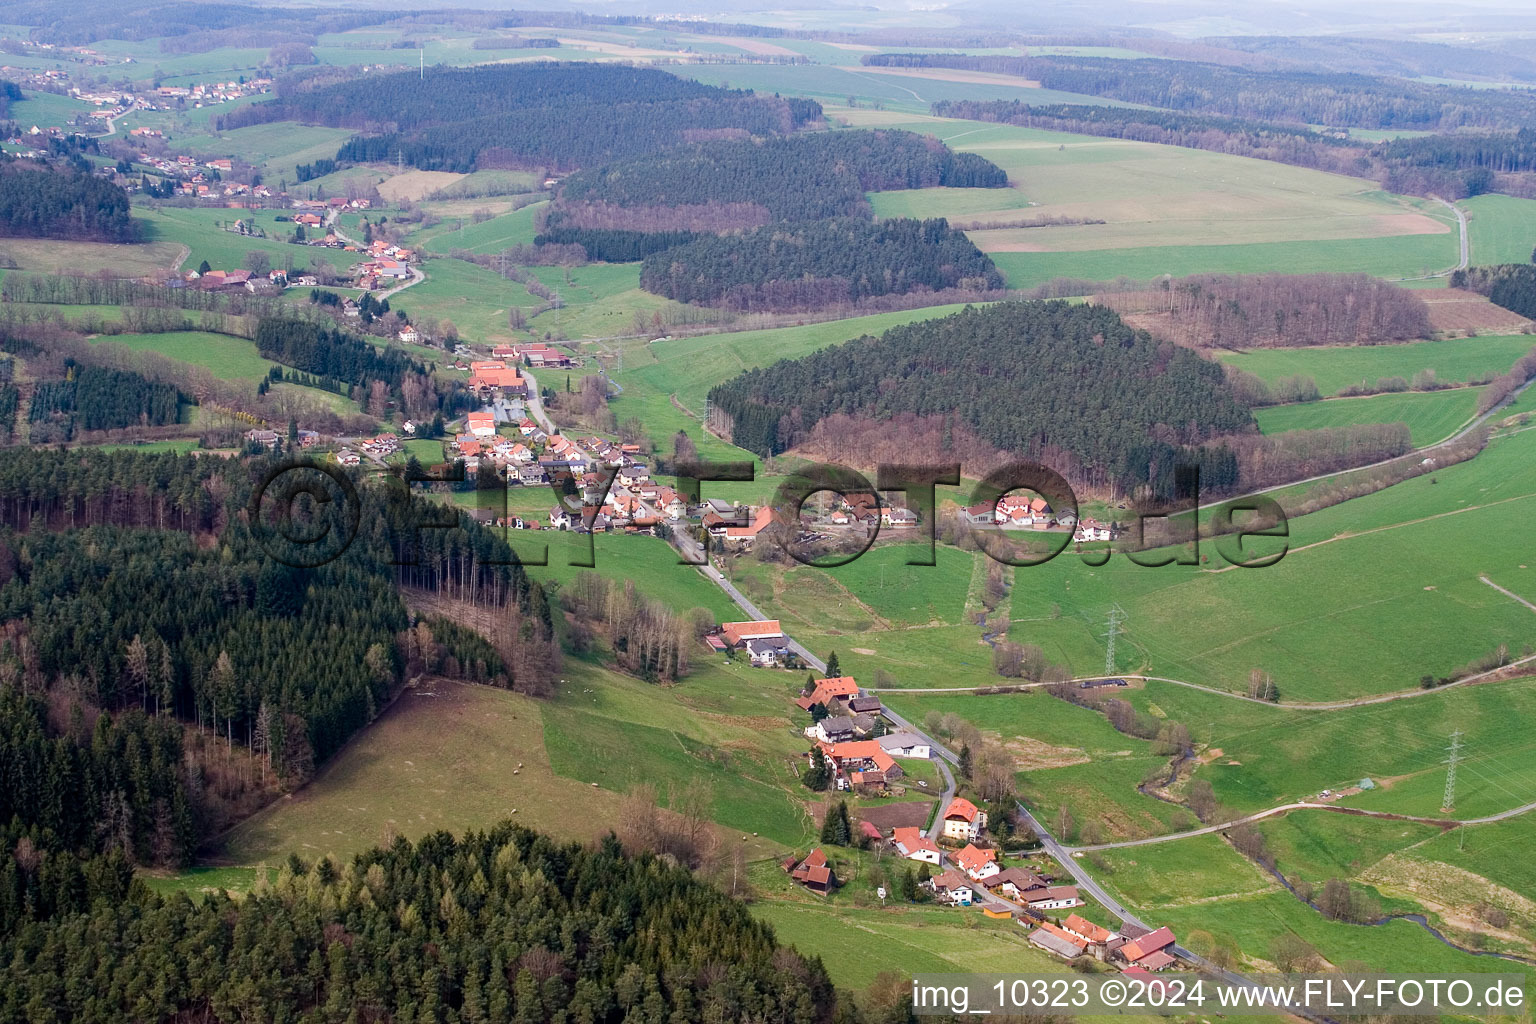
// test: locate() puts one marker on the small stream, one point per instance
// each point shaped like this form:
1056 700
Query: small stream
1418 919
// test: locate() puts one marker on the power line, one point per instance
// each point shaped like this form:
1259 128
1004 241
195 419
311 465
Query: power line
1450 771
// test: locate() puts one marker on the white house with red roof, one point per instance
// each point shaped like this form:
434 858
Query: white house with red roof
964 821
910 843
977 863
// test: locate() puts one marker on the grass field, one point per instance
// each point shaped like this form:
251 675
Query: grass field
491 236
1385 257
1500 228
476 300
1336 367
441 757
1190 871
1431 416
200 230
276 149
1287 218
50 256
226 357
1252 925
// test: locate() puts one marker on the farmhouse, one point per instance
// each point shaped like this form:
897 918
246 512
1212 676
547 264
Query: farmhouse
738 633
1086 930
1152 951
832 694
963 821
861 762
910 843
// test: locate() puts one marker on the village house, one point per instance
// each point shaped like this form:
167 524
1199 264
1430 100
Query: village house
832 729
910 843
742 537
952 887
767 653
1016 883
409 336
481 424
913 845
1055 897
1093 530
963 821
978 864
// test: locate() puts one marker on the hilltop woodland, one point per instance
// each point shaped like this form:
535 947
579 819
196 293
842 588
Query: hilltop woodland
1093 398
778 224
67 204
1275 310
558 116
163 674
504 925
827 263
809 176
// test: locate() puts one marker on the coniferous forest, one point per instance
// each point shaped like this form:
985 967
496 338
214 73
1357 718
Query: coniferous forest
825 263
504 925
63 204
799 177
328 352
97 398
1083 389
560 116
142 604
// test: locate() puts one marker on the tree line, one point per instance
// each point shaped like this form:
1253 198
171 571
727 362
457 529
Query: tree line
811 265
1080 382
1276 310
1294 97
330 352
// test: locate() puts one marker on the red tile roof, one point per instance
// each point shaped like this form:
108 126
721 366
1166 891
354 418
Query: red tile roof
1149 943
961 808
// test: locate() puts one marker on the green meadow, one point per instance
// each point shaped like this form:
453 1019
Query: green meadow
1385 257
1333 368
226 357
1500 228
1431 416
206 233
490 236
